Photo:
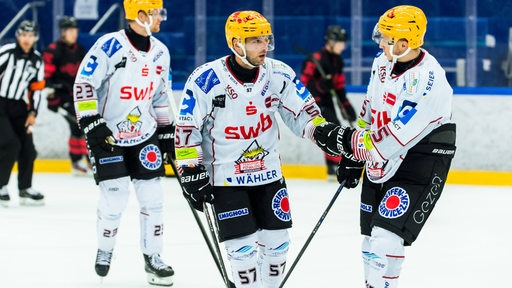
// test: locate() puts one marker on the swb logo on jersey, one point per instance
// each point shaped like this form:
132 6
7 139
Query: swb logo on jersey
150 157
281 205
394 204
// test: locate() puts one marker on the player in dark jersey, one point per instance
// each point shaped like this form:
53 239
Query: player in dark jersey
61 60
322 74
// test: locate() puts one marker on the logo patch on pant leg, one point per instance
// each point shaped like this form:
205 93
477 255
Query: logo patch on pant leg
281 205
150 157
394 204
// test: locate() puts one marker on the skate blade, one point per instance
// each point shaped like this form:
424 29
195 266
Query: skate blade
30 202
4 204
159 281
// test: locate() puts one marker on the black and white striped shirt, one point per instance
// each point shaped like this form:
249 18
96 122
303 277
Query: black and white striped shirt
21 75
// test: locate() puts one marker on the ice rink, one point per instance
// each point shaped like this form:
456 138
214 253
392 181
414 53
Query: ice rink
466 242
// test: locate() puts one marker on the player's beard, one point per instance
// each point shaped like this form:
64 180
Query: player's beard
257 60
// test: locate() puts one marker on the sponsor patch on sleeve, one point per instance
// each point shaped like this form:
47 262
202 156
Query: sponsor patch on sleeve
111 46
207 80
91 105
300 89
90 67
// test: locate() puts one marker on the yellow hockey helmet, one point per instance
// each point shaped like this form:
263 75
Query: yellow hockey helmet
404 22
244 24
132 7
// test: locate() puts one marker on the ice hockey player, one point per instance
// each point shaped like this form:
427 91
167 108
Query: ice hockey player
407 139
61 61
227 147
121 100
322 74
21 82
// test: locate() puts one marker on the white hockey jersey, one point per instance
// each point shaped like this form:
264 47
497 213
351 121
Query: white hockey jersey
127 87
398 112
231 128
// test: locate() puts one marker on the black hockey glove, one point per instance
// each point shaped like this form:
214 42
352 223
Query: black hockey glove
196 186
348 111
350 170
166 141
97 134
333 139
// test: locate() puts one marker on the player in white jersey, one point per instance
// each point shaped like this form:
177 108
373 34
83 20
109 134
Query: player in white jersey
227 147
121 100
406 137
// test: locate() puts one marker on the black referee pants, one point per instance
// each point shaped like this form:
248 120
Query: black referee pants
15 143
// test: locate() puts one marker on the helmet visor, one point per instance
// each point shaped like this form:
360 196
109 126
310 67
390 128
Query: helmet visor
258 42
162 12
376 35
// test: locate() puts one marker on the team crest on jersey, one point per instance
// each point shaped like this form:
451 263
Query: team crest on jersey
394 204
111 46
131 127
207 80
150 157
251 159
281 205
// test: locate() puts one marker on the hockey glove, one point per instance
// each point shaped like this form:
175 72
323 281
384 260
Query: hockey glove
97 133
350 170
166 141
333 139
196 186
348 111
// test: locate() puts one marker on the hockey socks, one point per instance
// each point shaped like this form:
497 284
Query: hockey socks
273 249
242 255
383 254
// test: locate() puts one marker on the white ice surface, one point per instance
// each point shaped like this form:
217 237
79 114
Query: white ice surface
466 242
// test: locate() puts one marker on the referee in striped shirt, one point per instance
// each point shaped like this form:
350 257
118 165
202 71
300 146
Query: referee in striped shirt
21 82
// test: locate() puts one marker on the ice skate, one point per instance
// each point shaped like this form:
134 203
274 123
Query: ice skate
102 264
4 197
80 168
31 197
159 273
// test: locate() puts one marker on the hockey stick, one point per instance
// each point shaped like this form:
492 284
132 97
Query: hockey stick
217 259
313 233
218 263
321 70
228 283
